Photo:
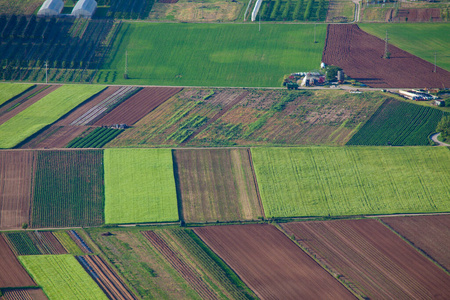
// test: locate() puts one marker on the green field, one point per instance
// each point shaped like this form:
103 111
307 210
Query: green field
213 54
62 277
9 90
398 123
67 242
139 186
421 39
324 181
68 189
44 112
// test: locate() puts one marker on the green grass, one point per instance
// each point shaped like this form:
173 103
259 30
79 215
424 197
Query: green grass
44 112
215 54
421 40
62 277
139 186
67 242
68 189
323 181
9 90
398 123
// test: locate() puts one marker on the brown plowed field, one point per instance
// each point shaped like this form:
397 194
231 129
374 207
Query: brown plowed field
25 102
55 137
217 185
189 274
12 274
16 177
360 55
46 242
414 15
24 294
377 261
271 264
106 278
137 106
431 234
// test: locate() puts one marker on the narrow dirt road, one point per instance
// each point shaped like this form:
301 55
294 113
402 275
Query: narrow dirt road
434 137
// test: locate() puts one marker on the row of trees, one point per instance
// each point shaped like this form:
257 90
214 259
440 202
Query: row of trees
126 9
282 11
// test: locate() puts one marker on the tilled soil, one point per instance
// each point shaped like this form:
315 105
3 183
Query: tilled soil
360 55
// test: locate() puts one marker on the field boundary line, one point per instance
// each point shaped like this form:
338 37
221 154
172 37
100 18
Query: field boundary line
258 195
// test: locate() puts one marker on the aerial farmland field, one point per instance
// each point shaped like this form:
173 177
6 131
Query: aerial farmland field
373 259
62 277
44 112
217 185
214 54
68 189
323 181
9 90
12 274
139 186
422 40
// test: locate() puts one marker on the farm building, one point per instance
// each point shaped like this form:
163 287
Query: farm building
84 8
51 8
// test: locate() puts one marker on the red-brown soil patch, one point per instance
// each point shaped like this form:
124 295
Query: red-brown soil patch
431 234
105 277
16 177
414 15
378 262
271 264
12 274
24 294
54 137
360 55
46 242
26 101
137 106
189 274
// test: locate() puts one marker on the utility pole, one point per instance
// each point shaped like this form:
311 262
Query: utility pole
435 53
125 75
46 72
386 47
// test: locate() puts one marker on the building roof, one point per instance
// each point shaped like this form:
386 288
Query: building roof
84 8
51 7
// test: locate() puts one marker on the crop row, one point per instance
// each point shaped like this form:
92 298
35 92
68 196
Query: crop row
36 242
298 10
97 138
134 9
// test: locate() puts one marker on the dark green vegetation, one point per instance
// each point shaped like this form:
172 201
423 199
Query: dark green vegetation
336 181
294 10
444 128
213 54
254 117
73 48
125 9
96 138
68 189
146 270
22 243
398 123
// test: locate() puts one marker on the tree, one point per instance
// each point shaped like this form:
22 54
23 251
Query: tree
331 72
444 127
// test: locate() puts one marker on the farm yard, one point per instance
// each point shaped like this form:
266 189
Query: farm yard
216 185
69 189
162 150
373 259
340 181
360 55
280 269
145 178
214 54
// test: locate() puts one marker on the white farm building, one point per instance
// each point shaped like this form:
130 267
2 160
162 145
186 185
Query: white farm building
84 8
51 8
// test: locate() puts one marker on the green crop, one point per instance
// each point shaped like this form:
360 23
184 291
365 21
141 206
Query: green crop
9 90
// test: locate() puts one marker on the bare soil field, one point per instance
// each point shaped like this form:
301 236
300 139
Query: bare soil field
20 104
217 185
187 272
106 278
360 55
138 105
376 262
12 274
24 294
54 137
271 264
16 179
413 15
431 234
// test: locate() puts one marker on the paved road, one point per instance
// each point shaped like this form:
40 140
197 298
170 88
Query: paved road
434 137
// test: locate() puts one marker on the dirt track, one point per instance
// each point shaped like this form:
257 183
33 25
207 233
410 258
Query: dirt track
271 264
373 258
360 55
